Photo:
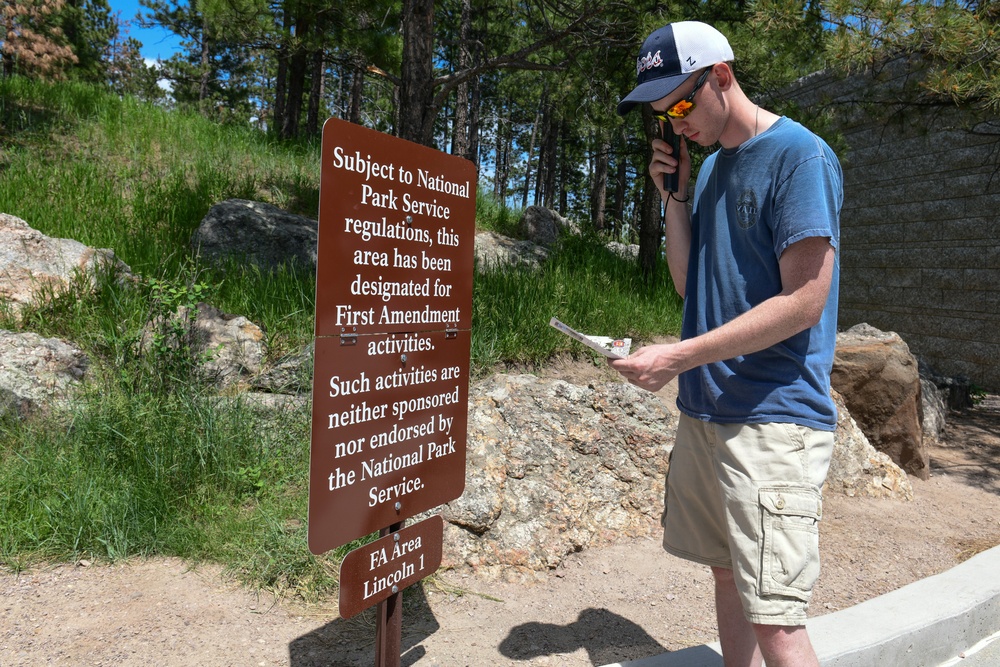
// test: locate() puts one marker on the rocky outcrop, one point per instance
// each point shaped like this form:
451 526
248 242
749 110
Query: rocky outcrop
543 226
495 250
34 266
229 348
232 345
36 372
857 469
291 374
623 250
258 233
553 468
880 382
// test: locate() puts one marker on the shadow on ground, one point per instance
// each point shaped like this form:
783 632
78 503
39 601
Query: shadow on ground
350 642
607 638
971 446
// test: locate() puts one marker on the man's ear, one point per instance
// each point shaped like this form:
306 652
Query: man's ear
724 77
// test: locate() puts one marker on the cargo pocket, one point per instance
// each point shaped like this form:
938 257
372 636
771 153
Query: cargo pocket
790 552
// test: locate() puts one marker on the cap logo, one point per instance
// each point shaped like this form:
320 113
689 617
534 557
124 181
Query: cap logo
648 61
690 61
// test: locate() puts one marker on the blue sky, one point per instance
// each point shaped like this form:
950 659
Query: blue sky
156 42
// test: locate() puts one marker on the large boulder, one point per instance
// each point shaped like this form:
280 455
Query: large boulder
496 250
258 233
229 348
543 226
232 345
933 400
880 382
554 468
34 266
857 469
36 372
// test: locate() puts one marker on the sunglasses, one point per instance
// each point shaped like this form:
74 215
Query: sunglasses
685 106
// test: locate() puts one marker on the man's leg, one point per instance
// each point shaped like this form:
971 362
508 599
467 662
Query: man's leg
745 644
786 646
736 634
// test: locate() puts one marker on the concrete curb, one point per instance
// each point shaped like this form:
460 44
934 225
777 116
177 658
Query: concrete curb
920 625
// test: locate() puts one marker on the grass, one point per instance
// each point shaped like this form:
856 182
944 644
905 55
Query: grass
149 461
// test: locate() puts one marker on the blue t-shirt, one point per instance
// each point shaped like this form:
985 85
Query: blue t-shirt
750 203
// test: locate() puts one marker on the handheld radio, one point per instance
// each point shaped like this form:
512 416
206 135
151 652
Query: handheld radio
670 180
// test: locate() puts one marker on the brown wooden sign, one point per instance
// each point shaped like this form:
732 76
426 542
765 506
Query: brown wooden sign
393 318
396 228
389 431
372 573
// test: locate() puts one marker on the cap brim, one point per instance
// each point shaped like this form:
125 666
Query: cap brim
650 91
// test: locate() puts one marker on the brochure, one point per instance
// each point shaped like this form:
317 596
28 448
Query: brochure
613 348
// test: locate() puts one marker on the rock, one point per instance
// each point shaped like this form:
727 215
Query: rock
494 250
36 372
879 380
625 251
956 392
935 410
857 469
291 374
234 345
230 347
553 468
34 266
262 234
543 226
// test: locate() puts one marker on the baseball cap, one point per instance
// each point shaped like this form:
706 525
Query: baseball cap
670 55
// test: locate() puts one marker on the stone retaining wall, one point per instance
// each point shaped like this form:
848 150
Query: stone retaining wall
920 253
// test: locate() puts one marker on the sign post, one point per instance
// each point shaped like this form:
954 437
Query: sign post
391 372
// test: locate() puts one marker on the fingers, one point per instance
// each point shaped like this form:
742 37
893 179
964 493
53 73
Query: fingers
662 161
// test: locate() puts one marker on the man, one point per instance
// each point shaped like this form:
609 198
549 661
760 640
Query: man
757 265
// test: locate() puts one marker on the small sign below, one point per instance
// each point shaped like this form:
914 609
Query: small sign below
370 574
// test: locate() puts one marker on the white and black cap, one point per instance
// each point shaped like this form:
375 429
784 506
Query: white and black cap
670 55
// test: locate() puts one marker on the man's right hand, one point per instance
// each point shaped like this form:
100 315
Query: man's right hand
665 163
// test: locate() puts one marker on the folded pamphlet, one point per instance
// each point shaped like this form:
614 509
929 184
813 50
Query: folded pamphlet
613 348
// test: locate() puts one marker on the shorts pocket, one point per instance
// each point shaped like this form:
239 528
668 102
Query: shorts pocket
790 551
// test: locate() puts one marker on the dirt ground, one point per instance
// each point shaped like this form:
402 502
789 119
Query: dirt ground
603 606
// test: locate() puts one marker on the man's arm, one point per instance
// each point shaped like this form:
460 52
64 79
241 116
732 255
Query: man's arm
806 269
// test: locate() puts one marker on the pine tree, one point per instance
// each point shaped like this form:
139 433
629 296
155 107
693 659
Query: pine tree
32 43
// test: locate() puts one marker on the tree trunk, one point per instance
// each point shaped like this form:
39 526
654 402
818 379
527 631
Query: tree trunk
460 127
280 87
600 185
205 62
551 153
531 154
416 104
318 76
498 158
564 168
504 145
296 82
651 215
357 90
619 210
474 110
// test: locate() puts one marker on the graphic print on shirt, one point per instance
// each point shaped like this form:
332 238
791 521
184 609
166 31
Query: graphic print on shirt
747 212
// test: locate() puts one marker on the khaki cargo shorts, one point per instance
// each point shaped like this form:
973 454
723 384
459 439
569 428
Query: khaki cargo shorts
746 497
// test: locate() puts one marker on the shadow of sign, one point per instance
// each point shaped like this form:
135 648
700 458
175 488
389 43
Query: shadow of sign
351 642
606 636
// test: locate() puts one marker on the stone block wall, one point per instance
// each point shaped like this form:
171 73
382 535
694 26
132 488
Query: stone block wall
920 228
